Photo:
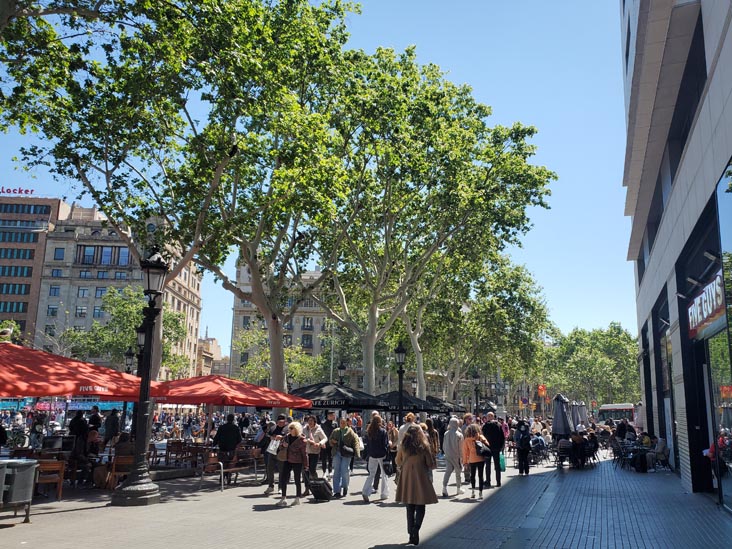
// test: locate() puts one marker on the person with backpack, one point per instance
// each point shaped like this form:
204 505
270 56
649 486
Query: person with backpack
493 432
523 446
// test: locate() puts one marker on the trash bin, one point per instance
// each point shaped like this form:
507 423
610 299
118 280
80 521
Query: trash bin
20 477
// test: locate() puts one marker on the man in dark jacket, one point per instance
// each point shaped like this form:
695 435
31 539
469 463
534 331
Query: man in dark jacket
111 426
276 433
227 438
493 432
326 457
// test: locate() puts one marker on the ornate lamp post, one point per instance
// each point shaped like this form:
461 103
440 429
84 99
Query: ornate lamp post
341 372
400 353
414 387
476 384
129 358
139 489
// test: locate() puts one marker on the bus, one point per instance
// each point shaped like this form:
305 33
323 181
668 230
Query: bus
616 412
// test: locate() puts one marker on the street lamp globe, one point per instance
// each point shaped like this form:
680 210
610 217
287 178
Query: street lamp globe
141 338
414 385
129 358
400 354
154 270
341 372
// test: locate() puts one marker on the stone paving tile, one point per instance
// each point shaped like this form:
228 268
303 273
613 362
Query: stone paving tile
595 508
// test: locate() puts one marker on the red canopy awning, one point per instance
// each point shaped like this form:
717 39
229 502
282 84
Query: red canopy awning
224 391
26 372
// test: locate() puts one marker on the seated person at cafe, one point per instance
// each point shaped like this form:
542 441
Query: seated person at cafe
578 449
644 440
93 442
659 450
124 446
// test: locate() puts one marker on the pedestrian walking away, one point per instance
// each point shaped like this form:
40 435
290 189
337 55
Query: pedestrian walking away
378 448
414 487
473 458
523 447
493 433
452 447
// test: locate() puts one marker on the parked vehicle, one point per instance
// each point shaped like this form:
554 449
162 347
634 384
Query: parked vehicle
616 412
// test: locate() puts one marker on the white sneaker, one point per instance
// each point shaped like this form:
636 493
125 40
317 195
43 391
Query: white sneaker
460 492
651 470
281 503
480 494
296 502
444 493
268 491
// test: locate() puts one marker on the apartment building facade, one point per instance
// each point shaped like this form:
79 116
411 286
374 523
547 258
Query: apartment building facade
678 85
83 259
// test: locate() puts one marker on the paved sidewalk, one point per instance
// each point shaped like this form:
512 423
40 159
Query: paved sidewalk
599 507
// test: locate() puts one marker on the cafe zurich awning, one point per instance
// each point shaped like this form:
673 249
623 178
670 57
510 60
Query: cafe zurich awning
27 372
339 397
224 391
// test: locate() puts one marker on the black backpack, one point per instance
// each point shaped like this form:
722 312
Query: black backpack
524 442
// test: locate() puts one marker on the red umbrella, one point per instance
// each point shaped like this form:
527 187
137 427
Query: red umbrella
26 372
224 391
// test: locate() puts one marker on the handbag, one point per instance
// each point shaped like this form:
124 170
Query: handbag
482 449
388 468
273 446
502 462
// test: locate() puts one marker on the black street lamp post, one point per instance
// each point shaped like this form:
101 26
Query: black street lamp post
400 353
414 387
476 383
129 357
139 488
341 372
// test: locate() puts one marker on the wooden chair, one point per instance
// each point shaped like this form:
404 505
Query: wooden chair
51 472
154 455
121 467
174 450
212 465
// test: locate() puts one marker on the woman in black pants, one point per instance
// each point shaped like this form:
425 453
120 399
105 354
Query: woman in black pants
297 459
315 440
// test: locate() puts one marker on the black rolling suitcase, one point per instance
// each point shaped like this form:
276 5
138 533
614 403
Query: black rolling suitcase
321 489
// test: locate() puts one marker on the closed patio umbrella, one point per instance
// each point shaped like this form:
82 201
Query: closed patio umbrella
574 413
583 413
561 424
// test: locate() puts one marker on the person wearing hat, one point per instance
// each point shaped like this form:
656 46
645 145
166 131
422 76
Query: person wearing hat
276 433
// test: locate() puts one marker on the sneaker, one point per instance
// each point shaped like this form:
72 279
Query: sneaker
269 490
444 493
365 498
281 503
480 494
374 490
460 492
296 502
345 492
651 470
487 485
472 493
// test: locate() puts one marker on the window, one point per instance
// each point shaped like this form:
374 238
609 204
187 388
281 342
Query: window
244 358
54 291
101 291
119 275
309 302
52 310
102 274
307 323
80 312
56 273
82 292
287 325
307 341
58 254
124 256
15 289
106 255
287 340
245 322
85 274
98 313
50 330
88 255
13 306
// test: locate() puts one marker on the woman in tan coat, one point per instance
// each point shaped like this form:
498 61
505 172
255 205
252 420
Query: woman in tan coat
415 488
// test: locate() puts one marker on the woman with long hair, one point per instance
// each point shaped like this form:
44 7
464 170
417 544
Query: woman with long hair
297 458
414 487
344 444
315 440
472 458
378 447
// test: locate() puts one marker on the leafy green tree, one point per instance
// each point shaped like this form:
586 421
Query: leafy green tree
427 175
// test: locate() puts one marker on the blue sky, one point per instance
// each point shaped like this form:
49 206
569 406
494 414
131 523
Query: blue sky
555 65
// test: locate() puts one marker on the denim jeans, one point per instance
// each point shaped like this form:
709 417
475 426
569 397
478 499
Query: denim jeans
376 464
341 473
